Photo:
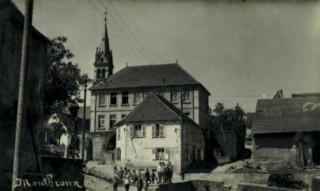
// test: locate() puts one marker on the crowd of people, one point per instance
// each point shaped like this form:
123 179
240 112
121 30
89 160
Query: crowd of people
142 179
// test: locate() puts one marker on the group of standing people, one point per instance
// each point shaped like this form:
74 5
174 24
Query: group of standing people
142 179
165 172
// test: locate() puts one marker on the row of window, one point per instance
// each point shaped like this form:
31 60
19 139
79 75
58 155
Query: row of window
112 121
137 97
139 131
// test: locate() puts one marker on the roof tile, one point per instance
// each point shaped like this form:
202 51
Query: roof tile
147 76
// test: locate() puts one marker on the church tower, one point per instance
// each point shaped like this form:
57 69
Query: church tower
103 64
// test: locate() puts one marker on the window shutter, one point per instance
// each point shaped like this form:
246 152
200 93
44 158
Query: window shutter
153 131
161 131
166 154
131 131
153 154
143 131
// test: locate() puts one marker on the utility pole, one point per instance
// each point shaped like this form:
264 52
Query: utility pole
182 136
84 119
21 111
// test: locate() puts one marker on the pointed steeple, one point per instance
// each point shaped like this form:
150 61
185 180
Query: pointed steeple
106 37
104 59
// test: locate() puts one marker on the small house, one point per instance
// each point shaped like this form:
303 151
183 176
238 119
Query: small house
287 130
156 131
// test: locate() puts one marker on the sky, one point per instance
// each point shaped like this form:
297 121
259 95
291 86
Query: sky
240 51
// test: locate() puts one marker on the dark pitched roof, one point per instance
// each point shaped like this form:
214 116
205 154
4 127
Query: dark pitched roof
148 76
297 114
155 108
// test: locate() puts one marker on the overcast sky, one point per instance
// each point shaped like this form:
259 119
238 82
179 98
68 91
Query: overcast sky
240 51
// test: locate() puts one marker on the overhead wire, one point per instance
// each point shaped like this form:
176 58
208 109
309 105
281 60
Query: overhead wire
139 32
130 39
117 33
130 31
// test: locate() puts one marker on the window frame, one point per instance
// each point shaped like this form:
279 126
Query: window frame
134 132
100 96
158 131
184 95
125 97
157 154
101 122
112 120
113 98
174 96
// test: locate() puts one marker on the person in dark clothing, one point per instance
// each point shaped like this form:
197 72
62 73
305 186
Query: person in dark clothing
139 184
115 183
147 175
115 170
120 173
170 173
166 174
153 177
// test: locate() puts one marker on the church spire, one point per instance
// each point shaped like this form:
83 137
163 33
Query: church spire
103 60
106 38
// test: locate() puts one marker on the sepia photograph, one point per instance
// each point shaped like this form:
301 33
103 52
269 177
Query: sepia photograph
159 95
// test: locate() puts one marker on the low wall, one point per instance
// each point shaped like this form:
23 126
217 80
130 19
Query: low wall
194 185
261 178
256 187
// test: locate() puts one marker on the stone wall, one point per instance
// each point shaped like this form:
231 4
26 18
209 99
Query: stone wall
100 142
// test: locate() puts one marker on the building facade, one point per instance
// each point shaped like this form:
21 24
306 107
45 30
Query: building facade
156 131
113 96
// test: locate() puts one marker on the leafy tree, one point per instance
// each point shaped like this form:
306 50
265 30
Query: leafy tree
233 118
219 108
63 79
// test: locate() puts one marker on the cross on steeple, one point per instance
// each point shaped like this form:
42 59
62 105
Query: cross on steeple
105 14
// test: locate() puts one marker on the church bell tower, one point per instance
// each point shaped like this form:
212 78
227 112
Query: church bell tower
103 64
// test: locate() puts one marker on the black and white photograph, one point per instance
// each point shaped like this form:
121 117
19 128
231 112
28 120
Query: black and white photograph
159 95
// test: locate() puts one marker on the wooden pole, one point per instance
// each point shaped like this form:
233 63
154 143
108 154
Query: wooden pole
21 111
182 136
83 120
